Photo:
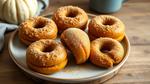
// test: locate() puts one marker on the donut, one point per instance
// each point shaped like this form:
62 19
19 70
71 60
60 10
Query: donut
105 52
37 28
46 56
77 41
106 26
70 16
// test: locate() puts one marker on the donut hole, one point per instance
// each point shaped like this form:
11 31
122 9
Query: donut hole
72 14
39 24
106 47
109 22
49 48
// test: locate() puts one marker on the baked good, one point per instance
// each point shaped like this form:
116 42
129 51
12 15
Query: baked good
105 52
77 41
70 16
46 56
106 26
37 28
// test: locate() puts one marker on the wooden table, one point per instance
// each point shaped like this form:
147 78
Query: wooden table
136 16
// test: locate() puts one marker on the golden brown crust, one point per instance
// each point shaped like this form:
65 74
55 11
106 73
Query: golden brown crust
48 70
24 41
70 16
92 37
37 28
46 53
78 42
105 52
106 26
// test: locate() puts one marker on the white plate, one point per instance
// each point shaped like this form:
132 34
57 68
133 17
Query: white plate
72 73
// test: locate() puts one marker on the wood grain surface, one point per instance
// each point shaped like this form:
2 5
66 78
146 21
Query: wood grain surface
136 16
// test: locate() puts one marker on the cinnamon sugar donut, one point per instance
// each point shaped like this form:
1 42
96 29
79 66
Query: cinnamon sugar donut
46 56
105 52
106 26
70 16
37 28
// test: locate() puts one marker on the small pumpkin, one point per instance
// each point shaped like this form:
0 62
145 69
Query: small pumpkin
16 11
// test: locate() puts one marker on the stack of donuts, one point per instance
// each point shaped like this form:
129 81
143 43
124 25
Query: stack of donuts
100 45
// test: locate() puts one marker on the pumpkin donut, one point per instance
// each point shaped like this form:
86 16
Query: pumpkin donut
77 41
37 28
46 56
70 16
105 52
106 26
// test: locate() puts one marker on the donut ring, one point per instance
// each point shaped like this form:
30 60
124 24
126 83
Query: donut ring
106 26
37 28
105 52
48 70
70 16
46 56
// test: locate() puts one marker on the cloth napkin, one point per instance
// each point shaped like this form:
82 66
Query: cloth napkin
6 27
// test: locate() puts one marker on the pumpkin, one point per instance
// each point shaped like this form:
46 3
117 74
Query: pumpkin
16 11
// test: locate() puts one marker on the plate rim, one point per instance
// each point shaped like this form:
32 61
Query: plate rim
72 80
